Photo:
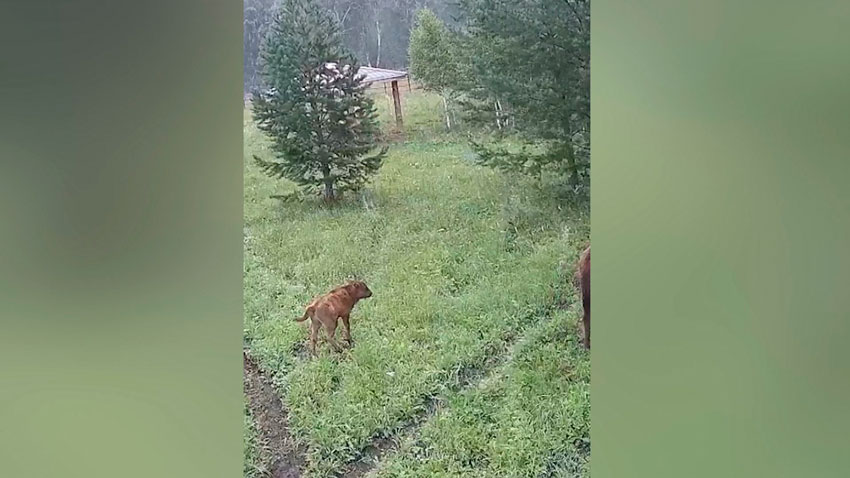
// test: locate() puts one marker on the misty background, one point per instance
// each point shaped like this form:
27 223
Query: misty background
377 32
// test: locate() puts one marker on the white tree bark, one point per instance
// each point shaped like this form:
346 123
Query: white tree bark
446 109
378 31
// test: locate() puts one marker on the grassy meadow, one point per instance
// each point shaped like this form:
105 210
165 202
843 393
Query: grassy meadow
467 360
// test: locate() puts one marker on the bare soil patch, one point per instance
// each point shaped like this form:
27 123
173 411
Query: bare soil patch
281 455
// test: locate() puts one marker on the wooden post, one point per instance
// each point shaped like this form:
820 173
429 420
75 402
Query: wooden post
397 103
387 96
408 84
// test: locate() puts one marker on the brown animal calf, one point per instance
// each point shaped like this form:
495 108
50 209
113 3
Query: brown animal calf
327 309
583 280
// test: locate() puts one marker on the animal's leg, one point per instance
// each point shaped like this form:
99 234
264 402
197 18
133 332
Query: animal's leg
346 329
330 330
586 320
314 335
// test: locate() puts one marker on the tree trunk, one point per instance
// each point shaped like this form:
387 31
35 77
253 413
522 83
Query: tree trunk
378 30
446 109
571 164
328 194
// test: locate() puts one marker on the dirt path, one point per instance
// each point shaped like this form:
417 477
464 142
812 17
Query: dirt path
282 456
285 459
497 359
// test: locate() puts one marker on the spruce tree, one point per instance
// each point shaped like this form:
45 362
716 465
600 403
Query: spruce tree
315 109
534 56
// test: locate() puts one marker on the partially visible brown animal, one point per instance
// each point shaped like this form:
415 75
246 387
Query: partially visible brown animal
583 281
326 310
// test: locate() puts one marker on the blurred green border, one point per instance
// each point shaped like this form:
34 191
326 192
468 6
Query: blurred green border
720 229
121 213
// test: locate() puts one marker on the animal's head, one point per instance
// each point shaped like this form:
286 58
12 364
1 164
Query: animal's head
360 289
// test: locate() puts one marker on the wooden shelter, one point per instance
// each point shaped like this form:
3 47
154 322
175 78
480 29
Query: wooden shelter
383 76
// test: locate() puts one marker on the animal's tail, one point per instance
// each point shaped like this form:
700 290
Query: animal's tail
307 313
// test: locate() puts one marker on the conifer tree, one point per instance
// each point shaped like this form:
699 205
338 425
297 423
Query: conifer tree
315 109
534 56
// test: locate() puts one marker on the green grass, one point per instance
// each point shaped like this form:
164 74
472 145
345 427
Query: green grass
529 419
251 447
463 262
422 112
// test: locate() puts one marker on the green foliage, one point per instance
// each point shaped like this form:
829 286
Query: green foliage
434 57
534 159
321 122
433 61
533 57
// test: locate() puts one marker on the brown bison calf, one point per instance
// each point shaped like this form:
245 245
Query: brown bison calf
583 281
329 308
